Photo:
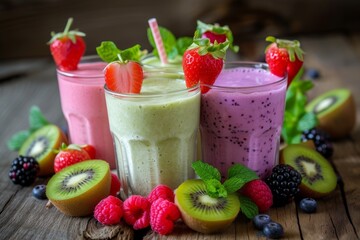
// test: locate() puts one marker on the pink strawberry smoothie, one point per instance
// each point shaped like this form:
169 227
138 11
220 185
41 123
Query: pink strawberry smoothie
241 119
83 105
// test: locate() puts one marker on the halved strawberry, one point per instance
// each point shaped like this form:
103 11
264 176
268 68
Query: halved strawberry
69 155
124 77
284 56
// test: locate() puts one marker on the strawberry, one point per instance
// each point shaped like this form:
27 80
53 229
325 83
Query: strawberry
215 32
124 77
69 155
67 47
284 56
90 150
203 62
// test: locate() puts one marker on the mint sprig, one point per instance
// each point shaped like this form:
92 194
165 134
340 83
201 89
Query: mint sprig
36 121
173 47
248 207
296 118
109 52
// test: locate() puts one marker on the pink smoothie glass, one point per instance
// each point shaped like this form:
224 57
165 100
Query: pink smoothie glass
241 118
83 104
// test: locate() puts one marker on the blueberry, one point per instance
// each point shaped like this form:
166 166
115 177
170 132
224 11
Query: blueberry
39 192
273 230
312 73
260 220
308 205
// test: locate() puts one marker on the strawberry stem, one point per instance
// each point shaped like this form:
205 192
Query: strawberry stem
68 25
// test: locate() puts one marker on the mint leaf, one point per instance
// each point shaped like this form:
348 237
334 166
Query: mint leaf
133 53
169 41
233 184
108 51
206 171
214 188
240 171
17 140
36 119
248 207
307 121
182 44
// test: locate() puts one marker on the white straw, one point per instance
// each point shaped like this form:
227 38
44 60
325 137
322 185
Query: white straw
158 41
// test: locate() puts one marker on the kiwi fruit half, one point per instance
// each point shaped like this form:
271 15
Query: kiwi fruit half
336 112
318 176
203 213
41 145
76 189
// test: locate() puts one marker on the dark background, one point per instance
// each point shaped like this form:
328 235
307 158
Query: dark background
25 25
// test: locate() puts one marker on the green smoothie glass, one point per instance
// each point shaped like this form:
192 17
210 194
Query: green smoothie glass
155 132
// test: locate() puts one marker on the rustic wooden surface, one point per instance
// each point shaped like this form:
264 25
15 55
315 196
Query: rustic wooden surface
33 82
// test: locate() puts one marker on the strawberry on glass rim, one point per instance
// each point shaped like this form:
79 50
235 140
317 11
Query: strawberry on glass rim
124 73
215 32
67 47
203 61
284 56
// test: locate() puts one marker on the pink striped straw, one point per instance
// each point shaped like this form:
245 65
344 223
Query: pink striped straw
158 41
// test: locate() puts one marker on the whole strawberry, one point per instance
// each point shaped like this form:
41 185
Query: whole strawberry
284 56
69 155
203 62
67 47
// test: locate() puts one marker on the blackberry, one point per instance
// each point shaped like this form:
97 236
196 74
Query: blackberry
321 140
284 183
23 170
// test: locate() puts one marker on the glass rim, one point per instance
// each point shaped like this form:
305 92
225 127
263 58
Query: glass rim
84 59
248 64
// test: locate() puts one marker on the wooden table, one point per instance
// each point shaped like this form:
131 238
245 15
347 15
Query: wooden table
33 82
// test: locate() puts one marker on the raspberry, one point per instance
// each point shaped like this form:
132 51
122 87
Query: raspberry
284 183
137 211
23 170
109 210
163 215
259 192
115 185
161 191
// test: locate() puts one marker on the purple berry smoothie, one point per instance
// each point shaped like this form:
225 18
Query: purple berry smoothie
241 118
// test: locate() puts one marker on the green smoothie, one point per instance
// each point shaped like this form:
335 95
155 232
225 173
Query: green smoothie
155 133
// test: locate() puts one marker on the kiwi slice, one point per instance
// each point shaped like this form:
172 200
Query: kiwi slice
41 145
318 176
76 189
203 213
336 112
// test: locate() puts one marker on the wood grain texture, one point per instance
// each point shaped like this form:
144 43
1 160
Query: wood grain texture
337 57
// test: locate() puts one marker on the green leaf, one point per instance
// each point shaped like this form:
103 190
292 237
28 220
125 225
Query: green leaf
36 119
206 171
307 121
233 184
169 41
240 171
108 51
248 207
17 140
133 53
182 44
215 189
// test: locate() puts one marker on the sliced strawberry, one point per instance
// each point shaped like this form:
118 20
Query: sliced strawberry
284 56
124 77
67 47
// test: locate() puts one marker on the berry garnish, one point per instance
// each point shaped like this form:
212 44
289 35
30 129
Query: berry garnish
321 140
39 191
115 185
161 191
273 230
23 170
261 220
284 183
163 215
308 205
203 62
109 211
259 192
90 150
215 32
284 56
137 211
67 47
69 155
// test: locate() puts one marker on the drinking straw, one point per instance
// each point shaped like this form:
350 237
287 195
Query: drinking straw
158 41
